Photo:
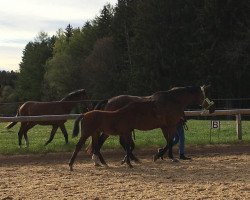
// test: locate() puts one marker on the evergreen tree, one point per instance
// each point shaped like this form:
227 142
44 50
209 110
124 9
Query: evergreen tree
68 32
30 80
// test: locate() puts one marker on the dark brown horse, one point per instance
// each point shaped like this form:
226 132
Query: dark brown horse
117 103
161 110
34 108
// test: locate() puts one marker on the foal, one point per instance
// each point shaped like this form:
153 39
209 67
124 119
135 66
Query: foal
137 115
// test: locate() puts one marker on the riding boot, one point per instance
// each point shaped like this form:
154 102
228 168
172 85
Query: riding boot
183 157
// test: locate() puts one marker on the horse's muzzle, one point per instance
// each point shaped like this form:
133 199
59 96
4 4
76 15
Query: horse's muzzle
211 109
208 105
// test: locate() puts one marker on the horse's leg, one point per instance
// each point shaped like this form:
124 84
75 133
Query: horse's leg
127 140
170 151
123 144
162 151
167 134
102 138
78 147
23 132
65 134
132 156
52 134
27 127
96 150
26 139
20 134
172 142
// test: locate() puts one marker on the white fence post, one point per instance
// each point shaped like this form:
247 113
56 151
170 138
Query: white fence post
239 126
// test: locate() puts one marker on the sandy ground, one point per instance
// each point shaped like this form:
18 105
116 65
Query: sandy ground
213 173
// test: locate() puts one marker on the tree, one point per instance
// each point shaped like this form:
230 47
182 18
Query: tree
63 70
102 77
68 32
30 80
103 22
8 78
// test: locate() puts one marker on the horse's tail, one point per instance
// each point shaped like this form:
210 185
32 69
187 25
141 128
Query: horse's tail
76 126
10 125
101 105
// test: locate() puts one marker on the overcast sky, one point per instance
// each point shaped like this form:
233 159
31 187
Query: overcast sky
22 20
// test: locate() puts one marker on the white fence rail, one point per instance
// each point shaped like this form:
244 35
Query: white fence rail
236 112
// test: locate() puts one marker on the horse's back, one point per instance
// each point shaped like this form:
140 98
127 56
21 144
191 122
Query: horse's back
30 108
121 101
98 120
35 108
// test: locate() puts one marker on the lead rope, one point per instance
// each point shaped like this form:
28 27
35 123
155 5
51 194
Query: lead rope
184 122
185 126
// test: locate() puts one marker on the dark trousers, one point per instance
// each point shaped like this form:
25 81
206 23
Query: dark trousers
180 137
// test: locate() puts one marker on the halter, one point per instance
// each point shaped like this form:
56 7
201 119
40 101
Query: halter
206 104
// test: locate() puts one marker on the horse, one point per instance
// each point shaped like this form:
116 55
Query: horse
35 108
117 103
104 105
163 110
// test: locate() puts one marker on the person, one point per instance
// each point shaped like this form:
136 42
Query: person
180 138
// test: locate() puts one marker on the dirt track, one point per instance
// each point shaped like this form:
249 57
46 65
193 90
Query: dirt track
214 173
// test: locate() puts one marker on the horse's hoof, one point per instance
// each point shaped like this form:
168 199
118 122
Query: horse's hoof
97 165
130 166
71 168
155 157
174 160
122 162
137 161
106 166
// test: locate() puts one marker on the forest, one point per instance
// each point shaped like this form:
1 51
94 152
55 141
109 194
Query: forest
139 47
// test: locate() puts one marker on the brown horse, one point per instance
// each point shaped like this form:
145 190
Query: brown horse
34 108
161 110
109 106
117 103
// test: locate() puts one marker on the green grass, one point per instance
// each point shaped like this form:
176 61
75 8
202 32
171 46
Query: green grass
198 133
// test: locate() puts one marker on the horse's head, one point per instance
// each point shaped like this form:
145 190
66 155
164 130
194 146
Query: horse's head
200 97
206 103
79 95
83 96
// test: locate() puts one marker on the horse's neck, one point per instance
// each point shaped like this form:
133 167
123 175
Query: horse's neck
180 97
185 99
69 103
70 99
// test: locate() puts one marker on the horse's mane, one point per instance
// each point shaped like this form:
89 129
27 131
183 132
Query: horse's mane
73 94
176 92
190 89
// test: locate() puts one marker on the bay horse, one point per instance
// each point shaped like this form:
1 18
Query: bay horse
162 110
35 108
117 103
105 105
